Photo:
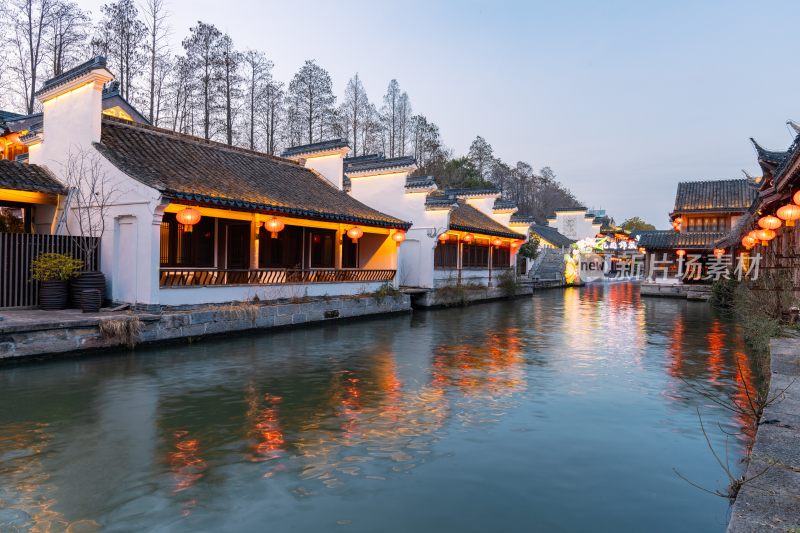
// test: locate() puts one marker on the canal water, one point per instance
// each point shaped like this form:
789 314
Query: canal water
564 412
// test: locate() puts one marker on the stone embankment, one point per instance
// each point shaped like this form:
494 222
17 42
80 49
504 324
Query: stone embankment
771 502
32 333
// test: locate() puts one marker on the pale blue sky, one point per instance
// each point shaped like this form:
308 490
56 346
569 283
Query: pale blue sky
621 99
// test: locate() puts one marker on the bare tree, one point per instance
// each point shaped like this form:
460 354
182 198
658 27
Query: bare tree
28 21
155 17
272 113
204 55
92 195
120 37
67 36
312 99
403 123
257 74
354 109
389 113
231 81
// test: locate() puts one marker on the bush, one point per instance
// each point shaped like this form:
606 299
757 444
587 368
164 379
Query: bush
723 293
530 250
386 290
52 267
508 282
762 307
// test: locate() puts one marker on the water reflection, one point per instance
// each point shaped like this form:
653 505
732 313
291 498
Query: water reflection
302 428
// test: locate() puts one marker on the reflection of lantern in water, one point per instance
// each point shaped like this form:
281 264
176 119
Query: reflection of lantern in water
188 217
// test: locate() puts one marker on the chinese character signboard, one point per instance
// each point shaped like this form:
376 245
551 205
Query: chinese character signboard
699 267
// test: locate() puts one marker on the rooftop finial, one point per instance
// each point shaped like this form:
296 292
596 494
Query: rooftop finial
794 125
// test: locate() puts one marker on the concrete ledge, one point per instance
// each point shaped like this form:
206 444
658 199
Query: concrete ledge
464 295
771 502
33 334
676 290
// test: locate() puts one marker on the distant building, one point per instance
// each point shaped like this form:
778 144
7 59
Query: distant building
575 223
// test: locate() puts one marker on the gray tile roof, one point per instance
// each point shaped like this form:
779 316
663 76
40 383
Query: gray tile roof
673 240
355 165
193 169
714 196
331 144
502 204
551 235
464 217
473 192
30 178
439 201
521 219
71 74
420 182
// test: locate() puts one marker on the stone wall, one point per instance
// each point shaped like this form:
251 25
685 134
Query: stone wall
465 294
70 331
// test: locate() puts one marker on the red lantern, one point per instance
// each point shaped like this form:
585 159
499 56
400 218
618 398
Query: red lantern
468 238
399 236
514 245
789 213
769 222
273 226
355 233
680 253
765 235
719 252
497 242
796 198
188 217
749 241
443 238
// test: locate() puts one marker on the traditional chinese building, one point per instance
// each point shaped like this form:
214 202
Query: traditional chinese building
704 212
190 221
575 223
768 228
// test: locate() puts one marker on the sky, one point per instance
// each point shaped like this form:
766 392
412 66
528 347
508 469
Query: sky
621 99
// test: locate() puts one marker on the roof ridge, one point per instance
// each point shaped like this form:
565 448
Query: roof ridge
198 140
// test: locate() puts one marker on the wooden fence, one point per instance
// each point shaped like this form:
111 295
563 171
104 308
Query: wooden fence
206 278
18 250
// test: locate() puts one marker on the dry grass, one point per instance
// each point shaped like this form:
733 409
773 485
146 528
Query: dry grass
125 330
242 310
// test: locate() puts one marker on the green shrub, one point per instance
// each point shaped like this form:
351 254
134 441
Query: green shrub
723 293
387 290
508 282
51 267
531 249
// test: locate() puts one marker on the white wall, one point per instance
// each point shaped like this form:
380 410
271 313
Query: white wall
177 296
387 193
574 224
129 243
330 167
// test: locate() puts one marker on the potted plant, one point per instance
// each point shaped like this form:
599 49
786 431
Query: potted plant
52 271
92 197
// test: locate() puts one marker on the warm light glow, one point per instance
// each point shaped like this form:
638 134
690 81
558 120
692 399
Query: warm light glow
468 238
681 253
796 198
765 235
676 223
769 222
188 217
497 241
399 236
273 226
443 238
749 241
355 233
514 244
789 213
719 252
642 250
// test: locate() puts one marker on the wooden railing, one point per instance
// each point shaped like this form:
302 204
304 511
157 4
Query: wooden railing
211 278
18 250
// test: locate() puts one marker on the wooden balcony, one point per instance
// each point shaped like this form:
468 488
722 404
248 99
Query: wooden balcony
177 277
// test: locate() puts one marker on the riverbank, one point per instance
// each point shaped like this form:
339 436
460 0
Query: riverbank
771 502
29 334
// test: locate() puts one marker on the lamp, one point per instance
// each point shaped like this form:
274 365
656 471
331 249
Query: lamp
188 217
